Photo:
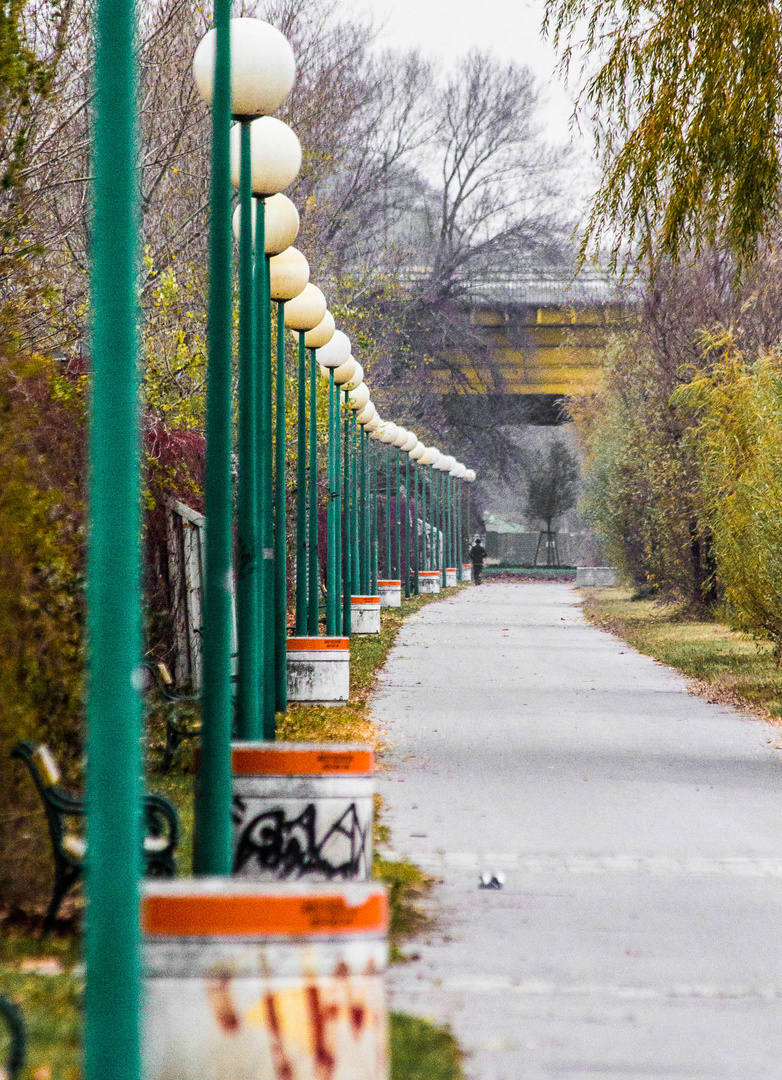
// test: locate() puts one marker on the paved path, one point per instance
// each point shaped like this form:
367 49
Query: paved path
639 933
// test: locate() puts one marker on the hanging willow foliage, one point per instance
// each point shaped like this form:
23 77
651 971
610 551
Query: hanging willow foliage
686 100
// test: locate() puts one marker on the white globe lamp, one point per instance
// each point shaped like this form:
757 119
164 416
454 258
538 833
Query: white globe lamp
358 398
289 273
321 334
275 155
344 372
306 310
280 224
356 379
335 352
263 67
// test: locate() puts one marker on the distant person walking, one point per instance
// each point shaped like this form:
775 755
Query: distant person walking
477 554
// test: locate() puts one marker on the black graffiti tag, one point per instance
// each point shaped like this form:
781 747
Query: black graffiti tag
292 847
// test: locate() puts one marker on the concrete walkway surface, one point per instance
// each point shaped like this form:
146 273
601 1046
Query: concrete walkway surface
639 828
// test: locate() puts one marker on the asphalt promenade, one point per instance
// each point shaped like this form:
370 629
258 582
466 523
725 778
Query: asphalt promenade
639 829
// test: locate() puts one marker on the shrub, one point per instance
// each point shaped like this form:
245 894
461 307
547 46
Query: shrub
738 412
41 602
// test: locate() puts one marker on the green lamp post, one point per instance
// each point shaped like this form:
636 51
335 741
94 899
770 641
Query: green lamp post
303 314
458 473
248 75
367 419
112 1041
469 476
437 563
280 223
419 516
399 530
407 546
357 399
425 461
331 354
375 428
388 434
342 375
352 482
265 157
389 557
287 275
313 572
212 853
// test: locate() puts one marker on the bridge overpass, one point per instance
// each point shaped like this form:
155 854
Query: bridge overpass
541 338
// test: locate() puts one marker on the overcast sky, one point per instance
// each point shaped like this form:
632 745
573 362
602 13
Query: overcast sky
448 28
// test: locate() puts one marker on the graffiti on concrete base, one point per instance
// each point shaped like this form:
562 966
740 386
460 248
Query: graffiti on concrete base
313 839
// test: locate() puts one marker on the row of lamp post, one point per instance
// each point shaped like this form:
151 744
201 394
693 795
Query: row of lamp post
244 70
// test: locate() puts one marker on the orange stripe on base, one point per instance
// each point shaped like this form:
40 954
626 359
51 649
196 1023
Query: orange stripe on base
274 761
256 916
304 644
365 599
391 584
428 573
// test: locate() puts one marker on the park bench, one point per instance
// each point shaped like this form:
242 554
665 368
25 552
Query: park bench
182 712
11 1068
69 848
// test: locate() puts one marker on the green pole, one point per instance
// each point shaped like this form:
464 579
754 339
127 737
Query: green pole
424 526
301 495
389 562
213 829
266 492
280 529
448 519
416 518
443 519
398 517
338 508
373 497
112 1043
314 575
331 530
347 553
437 477
363 524
406 531
355 582
459 533
249 578
443 523
367 509
432 522
454 553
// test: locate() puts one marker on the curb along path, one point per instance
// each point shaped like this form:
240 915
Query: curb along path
639 829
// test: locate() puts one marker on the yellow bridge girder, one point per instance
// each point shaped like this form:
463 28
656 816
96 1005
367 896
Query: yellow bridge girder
557 349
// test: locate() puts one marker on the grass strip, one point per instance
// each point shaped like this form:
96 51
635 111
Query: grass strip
421 1050
727 666
51 1006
